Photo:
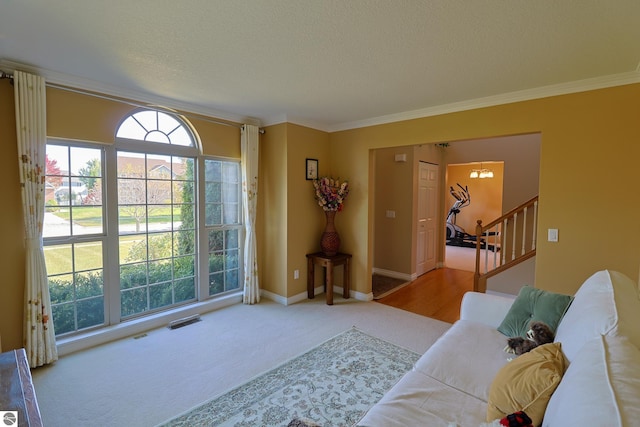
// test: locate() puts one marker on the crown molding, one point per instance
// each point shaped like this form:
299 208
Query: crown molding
285 118
89 85
491 101
274 120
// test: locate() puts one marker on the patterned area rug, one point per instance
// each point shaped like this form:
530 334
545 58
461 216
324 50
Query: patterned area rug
332 385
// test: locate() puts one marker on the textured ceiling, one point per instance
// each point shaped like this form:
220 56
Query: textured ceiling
330 64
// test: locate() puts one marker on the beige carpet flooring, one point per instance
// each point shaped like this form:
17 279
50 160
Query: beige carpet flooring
145 381
461 258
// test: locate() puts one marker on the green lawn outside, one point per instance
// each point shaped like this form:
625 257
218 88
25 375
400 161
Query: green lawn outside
91 216
88 256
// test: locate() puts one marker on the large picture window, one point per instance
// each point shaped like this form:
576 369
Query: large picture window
143 200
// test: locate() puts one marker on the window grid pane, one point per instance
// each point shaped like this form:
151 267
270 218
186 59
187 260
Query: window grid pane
77 294
73 191
222 192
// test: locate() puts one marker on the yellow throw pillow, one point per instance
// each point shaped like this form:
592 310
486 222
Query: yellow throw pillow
527 383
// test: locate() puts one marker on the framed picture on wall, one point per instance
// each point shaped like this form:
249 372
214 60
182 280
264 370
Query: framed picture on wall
312 169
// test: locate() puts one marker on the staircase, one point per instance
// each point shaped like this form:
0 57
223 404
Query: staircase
509 240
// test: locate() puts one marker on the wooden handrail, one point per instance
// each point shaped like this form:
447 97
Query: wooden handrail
509 214
506 237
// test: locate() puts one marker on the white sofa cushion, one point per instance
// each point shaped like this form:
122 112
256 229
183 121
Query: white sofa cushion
467 357
489 309
601 387
607 303
419 400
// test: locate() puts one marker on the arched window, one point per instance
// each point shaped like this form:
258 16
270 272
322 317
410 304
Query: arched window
132 228
155 126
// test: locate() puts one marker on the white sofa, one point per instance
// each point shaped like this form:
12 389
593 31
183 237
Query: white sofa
599 336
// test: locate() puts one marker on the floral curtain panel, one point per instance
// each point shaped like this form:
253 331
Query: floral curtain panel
249 153
30 101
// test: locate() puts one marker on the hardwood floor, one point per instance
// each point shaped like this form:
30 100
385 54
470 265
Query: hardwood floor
435 294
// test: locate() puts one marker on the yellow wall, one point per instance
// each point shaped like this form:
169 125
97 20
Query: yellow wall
393 237
12 261
589 149
306 219
271 223
88 118
292 221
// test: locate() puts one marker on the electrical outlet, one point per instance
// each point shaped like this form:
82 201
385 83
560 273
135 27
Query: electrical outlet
552 235
296 274
391 214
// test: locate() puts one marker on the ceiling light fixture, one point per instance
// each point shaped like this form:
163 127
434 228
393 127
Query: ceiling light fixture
481 173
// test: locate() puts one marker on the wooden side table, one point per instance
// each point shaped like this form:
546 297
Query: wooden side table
328 262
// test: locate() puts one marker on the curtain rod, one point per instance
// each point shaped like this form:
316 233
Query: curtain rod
5 75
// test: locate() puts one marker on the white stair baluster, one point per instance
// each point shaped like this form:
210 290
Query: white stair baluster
524 230
513 244
504 240
535 223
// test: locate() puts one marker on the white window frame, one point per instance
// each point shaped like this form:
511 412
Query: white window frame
114 327
204 243
86 238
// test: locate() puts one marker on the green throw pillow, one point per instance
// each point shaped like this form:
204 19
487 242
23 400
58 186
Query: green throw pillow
534 304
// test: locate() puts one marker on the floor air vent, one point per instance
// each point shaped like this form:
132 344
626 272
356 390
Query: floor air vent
179 323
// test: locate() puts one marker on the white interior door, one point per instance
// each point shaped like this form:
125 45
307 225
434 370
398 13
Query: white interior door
427 210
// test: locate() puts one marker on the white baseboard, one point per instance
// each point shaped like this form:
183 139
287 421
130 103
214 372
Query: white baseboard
395 274
337 291
273 297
